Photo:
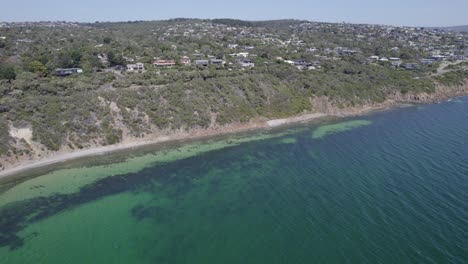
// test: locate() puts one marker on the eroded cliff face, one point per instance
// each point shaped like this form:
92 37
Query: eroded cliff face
26 149
442 92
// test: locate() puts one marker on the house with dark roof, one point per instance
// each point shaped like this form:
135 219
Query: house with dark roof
218 62
201 63
245 63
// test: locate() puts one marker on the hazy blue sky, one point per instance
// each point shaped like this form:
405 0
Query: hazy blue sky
395 12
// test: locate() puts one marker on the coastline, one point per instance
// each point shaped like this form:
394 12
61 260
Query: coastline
63 156
324 111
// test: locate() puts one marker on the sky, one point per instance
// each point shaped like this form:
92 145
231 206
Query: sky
389 12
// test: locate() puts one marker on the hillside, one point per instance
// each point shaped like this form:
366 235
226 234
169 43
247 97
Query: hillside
131 80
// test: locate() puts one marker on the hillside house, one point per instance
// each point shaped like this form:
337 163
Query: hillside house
245 63
427 61
201 63
396 62
303 64
68 71
164 63
218 62
185 60
410 66
438 57
135 67
242 54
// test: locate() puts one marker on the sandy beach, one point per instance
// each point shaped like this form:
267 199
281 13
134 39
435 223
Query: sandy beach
134 143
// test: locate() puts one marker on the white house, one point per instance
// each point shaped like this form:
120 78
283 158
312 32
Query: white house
243 54
135 67
245 63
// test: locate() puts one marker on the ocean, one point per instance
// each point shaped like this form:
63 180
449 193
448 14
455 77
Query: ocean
386 187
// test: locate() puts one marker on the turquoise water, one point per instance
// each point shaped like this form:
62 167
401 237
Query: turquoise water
390 187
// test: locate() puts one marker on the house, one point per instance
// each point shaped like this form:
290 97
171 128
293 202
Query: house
427 61
410 66
185 60
135 67
233 46
438 57
164 63
396 62
245 63
218 62
201 63
383 59
302 64
68 71
242 54
458 57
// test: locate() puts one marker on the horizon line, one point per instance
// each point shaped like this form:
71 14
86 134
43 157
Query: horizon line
210 19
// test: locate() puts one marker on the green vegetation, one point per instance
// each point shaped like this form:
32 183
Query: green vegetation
105 103
453 78
4 137
7 72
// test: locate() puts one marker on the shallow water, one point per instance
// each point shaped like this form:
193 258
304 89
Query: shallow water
388 187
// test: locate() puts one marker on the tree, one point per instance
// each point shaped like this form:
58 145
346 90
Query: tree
107 40
37 67
7 72
115 59
64 60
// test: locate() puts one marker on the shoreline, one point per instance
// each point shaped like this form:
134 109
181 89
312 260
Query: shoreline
64 156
